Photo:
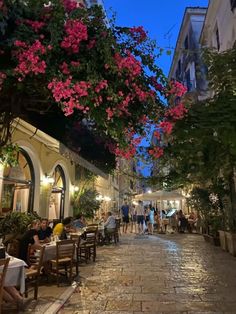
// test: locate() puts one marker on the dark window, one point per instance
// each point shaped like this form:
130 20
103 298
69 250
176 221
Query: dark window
217 39
233 4
179 66
186 43
176 74
188 81
131 184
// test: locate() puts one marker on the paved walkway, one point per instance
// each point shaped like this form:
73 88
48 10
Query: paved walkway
157 274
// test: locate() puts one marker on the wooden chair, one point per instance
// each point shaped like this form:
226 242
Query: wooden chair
88 247
3 269
13 247
65 251
76 238
35 261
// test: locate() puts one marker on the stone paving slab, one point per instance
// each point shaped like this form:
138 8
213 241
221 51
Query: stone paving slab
175 274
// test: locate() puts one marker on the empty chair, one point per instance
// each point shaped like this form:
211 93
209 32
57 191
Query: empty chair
76 238
88 247
65 250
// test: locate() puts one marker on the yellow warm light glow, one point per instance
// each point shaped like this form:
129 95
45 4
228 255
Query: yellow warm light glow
47 180
107 199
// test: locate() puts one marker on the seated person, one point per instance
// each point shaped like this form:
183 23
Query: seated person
110 223
59 228
183 222
29 237
12 295
67 229
45 231
79 222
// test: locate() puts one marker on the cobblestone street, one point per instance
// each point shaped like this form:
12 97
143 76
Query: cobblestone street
157 274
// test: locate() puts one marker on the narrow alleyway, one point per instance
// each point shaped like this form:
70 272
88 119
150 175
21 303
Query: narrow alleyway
157 274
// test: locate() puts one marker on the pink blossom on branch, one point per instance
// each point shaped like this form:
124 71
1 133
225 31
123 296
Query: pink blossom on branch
70 5
156 152
129 63
166 127
176 113
36 25
138 33
176 89
76 32
29 58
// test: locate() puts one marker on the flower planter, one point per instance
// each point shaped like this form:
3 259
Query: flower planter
211 239
231 242
223 240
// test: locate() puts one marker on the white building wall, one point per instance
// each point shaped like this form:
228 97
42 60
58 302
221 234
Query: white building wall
219 15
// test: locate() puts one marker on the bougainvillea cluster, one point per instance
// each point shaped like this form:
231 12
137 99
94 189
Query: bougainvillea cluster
75 31
59 53
29 58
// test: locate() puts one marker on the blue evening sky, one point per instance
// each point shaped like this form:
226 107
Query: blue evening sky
160 18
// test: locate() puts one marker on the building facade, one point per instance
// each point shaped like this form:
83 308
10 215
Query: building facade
219 30
45 178
187 66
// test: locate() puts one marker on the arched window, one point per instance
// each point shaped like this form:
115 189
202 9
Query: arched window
57 198
18 185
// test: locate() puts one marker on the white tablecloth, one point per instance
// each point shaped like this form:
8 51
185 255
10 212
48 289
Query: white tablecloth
15 275
50 251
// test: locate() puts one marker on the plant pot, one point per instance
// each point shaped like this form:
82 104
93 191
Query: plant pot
223 240
231 241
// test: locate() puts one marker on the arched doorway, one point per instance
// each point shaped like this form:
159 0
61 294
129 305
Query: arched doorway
18 185
57 198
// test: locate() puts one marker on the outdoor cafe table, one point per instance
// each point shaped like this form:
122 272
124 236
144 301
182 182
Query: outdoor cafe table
50 248
15 275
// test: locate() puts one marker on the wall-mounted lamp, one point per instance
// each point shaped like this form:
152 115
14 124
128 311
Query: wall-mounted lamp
107 199
76 188
47 180
99 197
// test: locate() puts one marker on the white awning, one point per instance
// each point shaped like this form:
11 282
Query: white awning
160 195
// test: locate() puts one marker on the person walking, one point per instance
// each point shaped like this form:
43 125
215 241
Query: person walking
151 219
125 215
133 216
140 216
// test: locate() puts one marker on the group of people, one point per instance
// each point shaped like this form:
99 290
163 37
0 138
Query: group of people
40 232
179 222
145 217
140 216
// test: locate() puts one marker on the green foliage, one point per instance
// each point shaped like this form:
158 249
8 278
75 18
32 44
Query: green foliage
86 203
8 155
209 206
202 145
16 223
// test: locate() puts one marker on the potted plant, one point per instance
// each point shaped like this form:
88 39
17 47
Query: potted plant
14 225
